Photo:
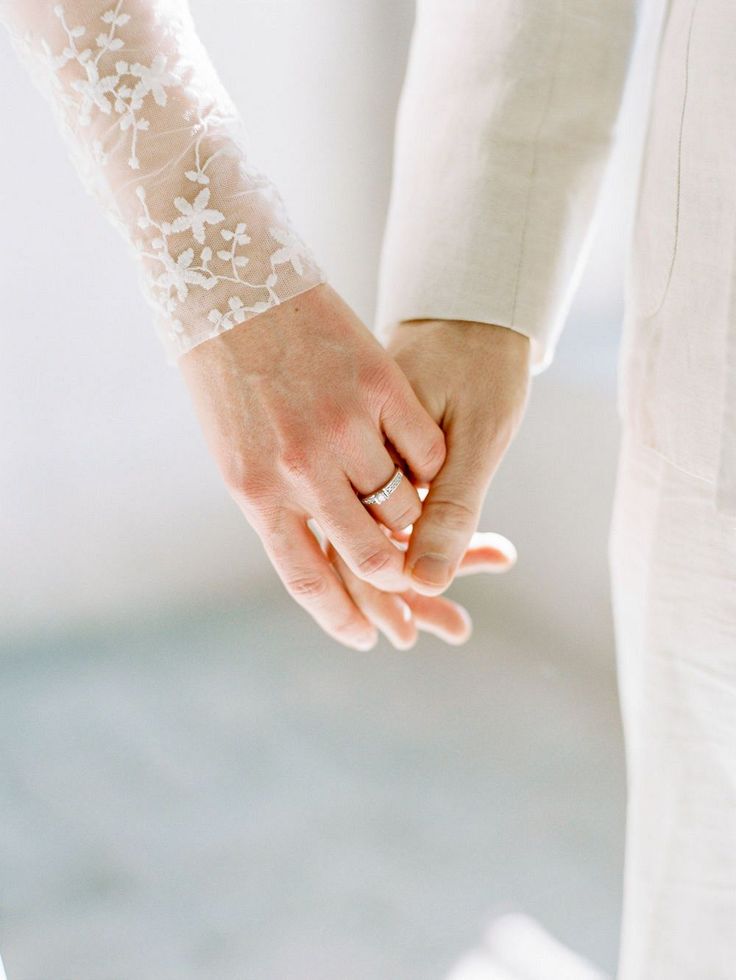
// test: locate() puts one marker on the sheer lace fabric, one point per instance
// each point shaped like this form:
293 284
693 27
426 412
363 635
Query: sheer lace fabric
156 138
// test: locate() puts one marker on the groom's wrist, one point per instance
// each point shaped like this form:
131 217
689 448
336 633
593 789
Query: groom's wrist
495 334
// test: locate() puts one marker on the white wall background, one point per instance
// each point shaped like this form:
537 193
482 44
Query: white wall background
109 505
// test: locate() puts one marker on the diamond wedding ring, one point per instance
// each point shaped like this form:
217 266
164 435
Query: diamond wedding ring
381 495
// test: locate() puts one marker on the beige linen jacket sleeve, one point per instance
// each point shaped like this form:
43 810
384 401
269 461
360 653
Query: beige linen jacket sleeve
505 125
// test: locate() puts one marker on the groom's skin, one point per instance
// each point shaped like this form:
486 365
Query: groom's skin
296 407
473 380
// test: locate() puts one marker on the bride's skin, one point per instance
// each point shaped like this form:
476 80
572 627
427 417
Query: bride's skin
297 406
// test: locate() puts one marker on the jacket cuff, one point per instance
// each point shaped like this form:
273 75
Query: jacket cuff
504 130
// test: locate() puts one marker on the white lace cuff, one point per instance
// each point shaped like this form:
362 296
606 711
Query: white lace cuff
157 139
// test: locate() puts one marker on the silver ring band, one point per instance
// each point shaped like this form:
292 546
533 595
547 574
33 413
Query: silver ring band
381 495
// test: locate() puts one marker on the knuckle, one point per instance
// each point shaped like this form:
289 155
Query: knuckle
434 452
244 481
350 627
374 562
374 373
340 434
407 516
452 513
296 463
377 381
306 588
235 471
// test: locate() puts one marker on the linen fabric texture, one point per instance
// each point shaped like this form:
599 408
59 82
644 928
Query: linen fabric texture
505 126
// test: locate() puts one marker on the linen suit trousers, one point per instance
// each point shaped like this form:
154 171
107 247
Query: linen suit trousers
673 564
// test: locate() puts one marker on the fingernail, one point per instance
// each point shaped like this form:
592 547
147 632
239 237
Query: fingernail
432 570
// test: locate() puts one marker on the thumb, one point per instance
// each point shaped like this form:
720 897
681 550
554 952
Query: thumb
451 510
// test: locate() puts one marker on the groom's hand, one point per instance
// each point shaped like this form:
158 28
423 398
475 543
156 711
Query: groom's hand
473 379
296 406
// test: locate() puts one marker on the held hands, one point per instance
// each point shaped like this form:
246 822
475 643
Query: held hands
298 408
473 379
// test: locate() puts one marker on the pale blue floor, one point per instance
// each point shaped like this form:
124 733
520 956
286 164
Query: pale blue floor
229 797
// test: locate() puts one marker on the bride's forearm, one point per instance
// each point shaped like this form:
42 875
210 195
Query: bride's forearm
157 139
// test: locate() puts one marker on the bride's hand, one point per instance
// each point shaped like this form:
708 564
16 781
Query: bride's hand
400 616
297 406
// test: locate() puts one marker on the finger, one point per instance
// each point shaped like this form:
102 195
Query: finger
488 552
375 470
311 581
410 429
452 508
440 616
365 547
402 536
388 611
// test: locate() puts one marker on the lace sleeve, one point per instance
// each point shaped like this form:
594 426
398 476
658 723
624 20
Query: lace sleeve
157 139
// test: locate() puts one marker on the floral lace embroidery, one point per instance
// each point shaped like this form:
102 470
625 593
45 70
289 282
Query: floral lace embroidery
156 138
